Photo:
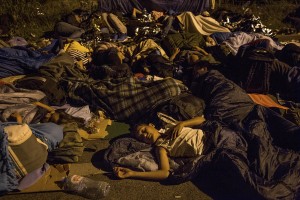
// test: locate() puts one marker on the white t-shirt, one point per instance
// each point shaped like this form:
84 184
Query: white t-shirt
189 143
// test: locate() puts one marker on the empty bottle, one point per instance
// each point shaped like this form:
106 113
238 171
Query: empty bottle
86 187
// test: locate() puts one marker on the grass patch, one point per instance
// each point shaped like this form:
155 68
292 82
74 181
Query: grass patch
31 18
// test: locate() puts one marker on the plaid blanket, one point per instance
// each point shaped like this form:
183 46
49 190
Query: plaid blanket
128 99
133 99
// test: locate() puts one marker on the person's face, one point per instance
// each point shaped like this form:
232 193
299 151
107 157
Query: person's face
156 14
147 133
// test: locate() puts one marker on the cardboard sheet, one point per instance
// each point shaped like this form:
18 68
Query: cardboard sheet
52 179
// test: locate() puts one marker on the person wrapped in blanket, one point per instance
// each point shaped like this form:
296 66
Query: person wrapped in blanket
178 141
145 57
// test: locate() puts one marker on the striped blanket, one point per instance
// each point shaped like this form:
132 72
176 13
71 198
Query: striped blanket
128 99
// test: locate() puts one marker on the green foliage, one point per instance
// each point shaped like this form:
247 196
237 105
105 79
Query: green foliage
31 18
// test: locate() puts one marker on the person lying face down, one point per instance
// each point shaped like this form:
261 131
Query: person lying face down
178 141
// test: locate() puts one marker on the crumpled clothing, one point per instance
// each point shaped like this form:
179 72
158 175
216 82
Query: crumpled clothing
19 100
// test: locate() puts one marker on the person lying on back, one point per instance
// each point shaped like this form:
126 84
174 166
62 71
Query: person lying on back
178 141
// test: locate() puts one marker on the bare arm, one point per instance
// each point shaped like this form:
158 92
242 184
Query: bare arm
18 117
172 57
200 50
174 132
51 115
193 122
161 174
48 108
134 12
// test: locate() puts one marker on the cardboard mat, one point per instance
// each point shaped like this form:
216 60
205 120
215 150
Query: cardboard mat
52 179
117 129
106 129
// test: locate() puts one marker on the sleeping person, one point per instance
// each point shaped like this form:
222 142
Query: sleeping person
178 141
232 41
204 25
248 159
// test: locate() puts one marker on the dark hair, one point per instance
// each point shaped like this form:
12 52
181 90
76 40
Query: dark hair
109 56
98 57
134 127
290 54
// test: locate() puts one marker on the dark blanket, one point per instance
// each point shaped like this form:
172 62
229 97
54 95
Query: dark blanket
247 159
20 60
126 6
225 101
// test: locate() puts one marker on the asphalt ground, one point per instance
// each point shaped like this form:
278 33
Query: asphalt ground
126 189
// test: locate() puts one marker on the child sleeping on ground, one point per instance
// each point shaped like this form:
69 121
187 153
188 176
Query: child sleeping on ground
178 141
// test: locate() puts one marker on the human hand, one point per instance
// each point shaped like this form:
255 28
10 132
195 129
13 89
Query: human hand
196 48
122 172
17 116
177 50
175 130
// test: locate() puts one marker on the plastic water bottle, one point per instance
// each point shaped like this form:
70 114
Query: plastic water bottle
86 187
